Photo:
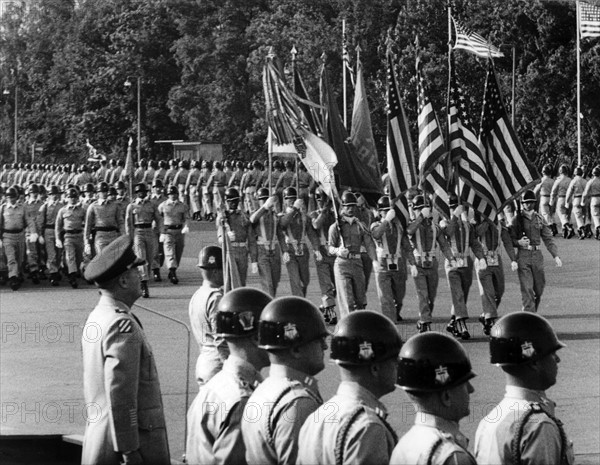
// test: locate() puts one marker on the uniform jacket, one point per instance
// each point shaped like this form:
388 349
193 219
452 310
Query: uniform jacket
391 243
592 189
141 211
70 218
535 228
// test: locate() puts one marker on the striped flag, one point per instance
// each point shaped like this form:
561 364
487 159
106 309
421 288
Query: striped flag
473 42
308 107
473 183
509 169
589 20
432 150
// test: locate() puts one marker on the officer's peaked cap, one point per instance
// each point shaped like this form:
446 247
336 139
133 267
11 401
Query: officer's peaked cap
112 261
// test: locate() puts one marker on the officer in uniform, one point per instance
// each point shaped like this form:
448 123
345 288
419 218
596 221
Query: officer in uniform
591 198
140 215
573 200
119 372
524 428
46 224
393 251
321 220
462 240
296 229
32 207
425 236
435 372
158 196
527 232
174 227
68 233
215 416
293 331
351 427
235 223
266 256
346 238
558 201
203 310
104 222
543 190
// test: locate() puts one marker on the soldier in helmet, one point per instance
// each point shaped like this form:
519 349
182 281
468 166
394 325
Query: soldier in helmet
524 428
591 198
558 201
293 331
236 175
157 197
216 185
104 222
527 230
174 228
161 172
266 256
140 173
573 200
140 216
89 194
191 190
180 179
170 173
215 434
543 190
68 233
249 185
393 251
117 172
435 371
351 427
203 313
285 179
346 237
46 223
207 197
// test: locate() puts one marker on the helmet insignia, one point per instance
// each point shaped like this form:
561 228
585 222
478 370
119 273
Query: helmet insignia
211 260
365 351
527 349
246 320
441 375
290 332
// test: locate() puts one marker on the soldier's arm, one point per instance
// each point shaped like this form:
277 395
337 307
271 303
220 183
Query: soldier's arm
40 218
158 219
412 227
508 243
460 458
287 216
312 236
318 218
474 243
541 443
546 235
378 229
371 443
443 243
59 223
407 250
287 429
586 193
258 214
369 244
229 444
333 239
129 221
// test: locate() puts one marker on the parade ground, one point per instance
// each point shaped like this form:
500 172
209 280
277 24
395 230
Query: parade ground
41 383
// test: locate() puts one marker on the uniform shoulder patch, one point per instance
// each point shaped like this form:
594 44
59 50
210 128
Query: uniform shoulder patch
125 326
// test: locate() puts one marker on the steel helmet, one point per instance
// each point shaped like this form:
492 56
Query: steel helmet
102 187
72 193
528 196
12 192
432 362
365 337
453 201
596 171
579 171
158 184
112 191
172 190
232 194
290 193
522 337
89 188
547 169
33 189
564 169
140 187
55 190
290 322
319 194
419 201
42 189
210 257
263 193
349 198
383 203
120 185
238 312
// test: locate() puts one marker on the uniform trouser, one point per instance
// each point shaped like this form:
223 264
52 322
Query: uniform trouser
531 278
3 267
298 271
240 257
14 247
33 255
491 288
562 211
391 288
144 247
209 363
349 284
103 238
546 210
173 247
159 255
207 201
250 201
460 280
269 268
73 244
367 267
218 198
194 200
579 212
595 211
53 253
426 282
326 278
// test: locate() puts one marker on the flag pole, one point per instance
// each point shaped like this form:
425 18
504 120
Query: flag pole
294 52
578 84
344 71
451 173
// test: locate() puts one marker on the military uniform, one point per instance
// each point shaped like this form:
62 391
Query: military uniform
248 187
215 416
69 226
321 221
574 198
543 190
191 189
159 254
274 414
179 181
202 185
351 427
104 223
46 224
237 222
175 216
140 215
267 253
216 184
558 200
13 221
32 247
591 198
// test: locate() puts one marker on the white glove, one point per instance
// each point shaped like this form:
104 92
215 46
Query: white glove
343 252
558 261
523 242
58 243
298 204
33 237
41 240
318 256
414 272
270 202
0 243
443 224
185 230
514 266
231 235
162 238
426 212
458 211
87 249
253 267
453 263
482 264
390 215
286 258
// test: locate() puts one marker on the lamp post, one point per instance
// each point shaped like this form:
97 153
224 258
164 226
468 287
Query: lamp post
16 133
139 112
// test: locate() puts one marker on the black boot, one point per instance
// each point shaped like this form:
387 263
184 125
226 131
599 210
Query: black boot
554 229
157 277
598 233
145 291
565 230
73 280
487 324
571 232
173 276
588 231
398 309
54 279
581 232
451 327
35 279
423 327
14 282
461 328
3 278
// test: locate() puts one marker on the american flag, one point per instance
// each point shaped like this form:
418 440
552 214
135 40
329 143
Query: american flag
509 169
432 150
473 42
589 20
473 183
400 155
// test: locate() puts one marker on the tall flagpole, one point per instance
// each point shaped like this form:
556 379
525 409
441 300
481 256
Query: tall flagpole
294 52
344 71
451 173
578 88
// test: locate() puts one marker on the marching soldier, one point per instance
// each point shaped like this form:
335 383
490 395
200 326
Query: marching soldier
321 220
425 237
216 184
191 190
174 228
89 195
215 434
558 201
266 256
207 200
573 200
202 310
435 372
591 198
302 180
46 224
351 427
293 332
68 233
235 223
249 184
393 251
365 215
104 222
149 173
170 173
160 173
140 173
285 179
527 232
544 189
32 206
140 215
115 175
525 428
119 372
157 198
236 176
180 179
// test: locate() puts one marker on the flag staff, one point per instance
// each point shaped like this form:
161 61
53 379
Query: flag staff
344 57
452 174
578 84
294 52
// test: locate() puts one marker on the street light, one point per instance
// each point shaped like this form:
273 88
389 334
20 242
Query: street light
139 112
7 92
